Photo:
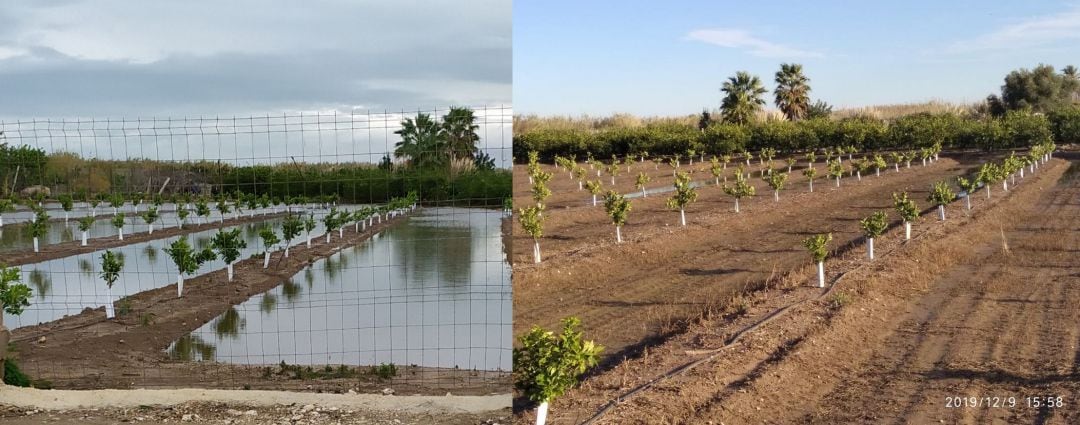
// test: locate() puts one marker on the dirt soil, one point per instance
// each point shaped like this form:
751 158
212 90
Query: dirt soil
950 313
23 405
236 414
631 295
66 249
86 351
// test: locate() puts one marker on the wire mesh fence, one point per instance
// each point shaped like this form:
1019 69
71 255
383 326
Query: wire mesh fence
328 251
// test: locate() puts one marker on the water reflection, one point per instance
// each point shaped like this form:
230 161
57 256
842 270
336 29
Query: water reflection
229 324
41 282
192 347
432 291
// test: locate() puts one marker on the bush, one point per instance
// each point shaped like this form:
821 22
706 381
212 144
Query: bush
547 365
13 375
1065 124
385 370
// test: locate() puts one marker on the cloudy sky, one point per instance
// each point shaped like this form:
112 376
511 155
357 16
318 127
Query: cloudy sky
128 58
663 58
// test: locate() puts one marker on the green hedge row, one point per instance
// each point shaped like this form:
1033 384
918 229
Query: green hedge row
1015 130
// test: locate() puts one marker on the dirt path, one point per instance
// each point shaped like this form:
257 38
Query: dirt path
66 249
87 351
630 296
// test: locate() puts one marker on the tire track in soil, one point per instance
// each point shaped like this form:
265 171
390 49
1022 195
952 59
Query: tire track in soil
625 308
1002 357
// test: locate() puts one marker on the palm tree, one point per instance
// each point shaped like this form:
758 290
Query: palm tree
421 144
459 132
742 98
792 91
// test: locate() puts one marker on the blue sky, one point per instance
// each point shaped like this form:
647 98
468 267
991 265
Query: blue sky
666 58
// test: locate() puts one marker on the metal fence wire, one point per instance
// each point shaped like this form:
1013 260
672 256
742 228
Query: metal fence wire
322 251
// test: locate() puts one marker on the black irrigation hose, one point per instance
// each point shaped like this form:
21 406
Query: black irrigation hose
737 336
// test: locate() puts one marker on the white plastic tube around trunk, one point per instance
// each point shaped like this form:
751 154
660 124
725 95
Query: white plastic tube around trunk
682 216
286 250
967 200
736 204
35 244
1 220
618 234
811 185
309 240
536 251
541 413
83 238
151 229
1005 184
229 268
643 194
941 212
870 247
341 232
109 312
821 274
776 195
180 285
65 217
121 234
328 237
266 259
858 174
838 182
907 230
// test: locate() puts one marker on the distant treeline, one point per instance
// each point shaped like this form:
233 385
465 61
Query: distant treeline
1014 129
62 173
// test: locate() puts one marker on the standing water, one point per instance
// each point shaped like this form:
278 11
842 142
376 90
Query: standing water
431 291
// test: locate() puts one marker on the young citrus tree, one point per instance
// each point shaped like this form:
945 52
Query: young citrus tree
85 223
907 210
872 227
987 174
642 180
331 221
39 226
67 203
546 365
725 159
111 265
6 205
223 207
187 260
908 157
202 209
810 158
836 170
684 195
540 191
94 201
182 214
116 200
150 216
817 246
674 163
578 173
613 170
790 163
879 163
776 182
941 195
618 208
228 245
309 225
897 158
967 186
269 239
810 172
741 189
594 188
291 228
860 165
14 298
716 170
532 221
690 155
118 223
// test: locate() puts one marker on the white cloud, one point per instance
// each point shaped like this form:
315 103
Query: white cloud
1032 32
740 39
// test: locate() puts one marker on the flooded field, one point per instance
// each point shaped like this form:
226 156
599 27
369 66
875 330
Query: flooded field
431 291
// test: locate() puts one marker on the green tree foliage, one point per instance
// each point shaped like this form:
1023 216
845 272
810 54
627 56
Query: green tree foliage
1040 89
111 265
618 208
874 225
817 246
14 296
905 207
228 244
792 93
547 365
683 196
742 98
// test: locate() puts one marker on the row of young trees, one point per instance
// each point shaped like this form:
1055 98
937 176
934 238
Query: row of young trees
990 173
